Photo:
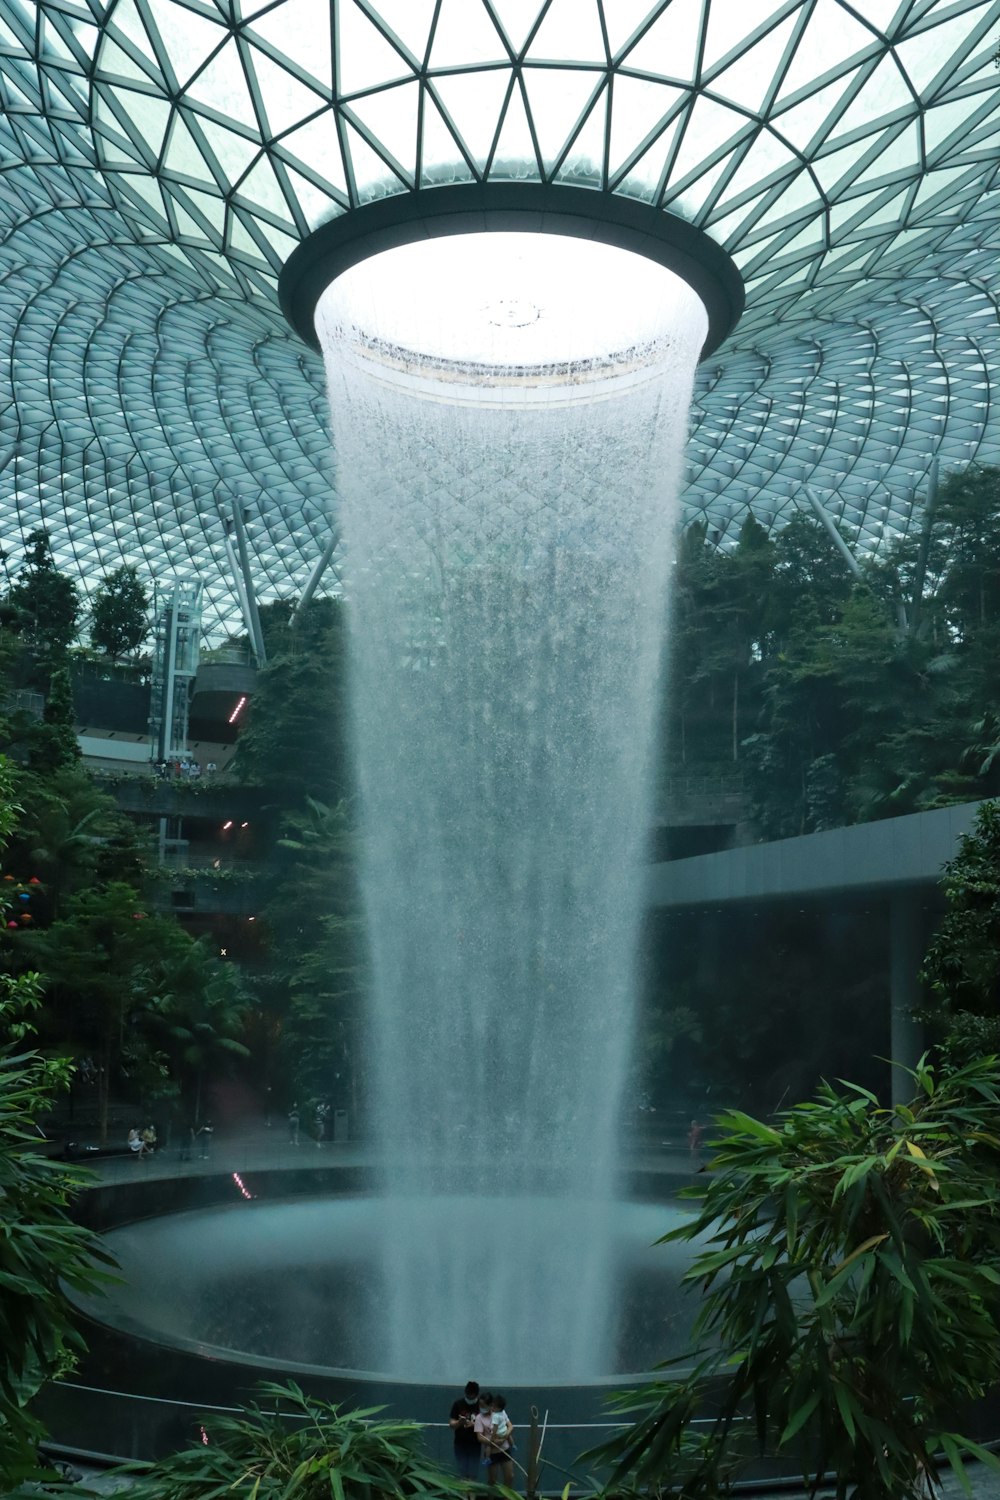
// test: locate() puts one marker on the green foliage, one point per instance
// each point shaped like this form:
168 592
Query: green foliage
302 1447
56 743
118 613
42 1252
44 603
838 700
318 964
962 967
293 739
847 1262
144 994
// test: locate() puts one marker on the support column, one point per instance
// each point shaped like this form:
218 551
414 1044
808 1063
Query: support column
905 957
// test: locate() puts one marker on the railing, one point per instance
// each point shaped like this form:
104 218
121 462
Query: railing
117 1426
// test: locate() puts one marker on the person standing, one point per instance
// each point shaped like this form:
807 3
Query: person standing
462 1421
499 1444
293 1125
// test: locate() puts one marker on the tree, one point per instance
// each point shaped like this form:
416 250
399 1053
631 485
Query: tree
198 1021
847 1259
317 952
56 744
107 957
43 1254
45 602
118 613
303 1446
293 741
962 967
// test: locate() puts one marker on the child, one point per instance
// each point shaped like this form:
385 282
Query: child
501 1443
483 1426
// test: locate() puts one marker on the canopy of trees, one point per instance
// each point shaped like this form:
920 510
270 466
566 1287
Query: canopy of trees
842 699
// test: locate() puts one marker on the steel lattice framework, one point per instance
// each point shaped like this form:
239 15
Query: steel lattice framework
160 159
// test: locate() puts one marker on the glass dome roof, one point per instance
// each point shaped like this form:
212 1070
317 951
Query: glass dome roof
162 158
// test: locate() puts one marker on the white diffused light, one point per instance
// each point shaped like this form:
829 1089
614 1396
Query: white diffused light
508 301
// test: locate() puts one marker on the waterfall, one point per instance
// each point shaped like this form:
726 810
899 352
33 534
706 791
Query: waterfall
508 525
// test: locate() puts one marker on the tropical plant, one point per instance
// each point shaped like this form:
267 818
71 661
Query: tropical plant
118 613
43 1254
44 603
317 953
302 1447
847 1257
962 966
197 1021
107 958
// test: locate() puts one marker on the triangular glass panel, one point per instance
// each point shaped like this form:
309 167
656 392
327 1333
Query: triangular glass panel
749 81
286 101
54 46
115 63
935 51
147 189
14 96
732 27
301 30
884 93
515 153
465 36
409 21
185 38
282 244
726 227
474 102
558 99
835 170
710 127
233 152
853 211
240 240
800 196
691 202
831 39
950 129
317 146
262 189
126 19
933 184
182 155
210 212
187 226
901 153
766 156
365 58
316 205
622 19
222 85
585 161
570 32
372 177
809 120
518 17
643 178
441 160
670 46
391 117
638 106
148 115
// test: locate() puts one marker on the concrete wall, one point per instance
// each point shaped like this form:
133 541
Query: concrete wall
888 855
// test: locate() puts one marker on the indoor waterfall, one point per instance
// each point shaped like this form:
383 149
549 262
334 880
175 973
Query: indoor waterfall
506 465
